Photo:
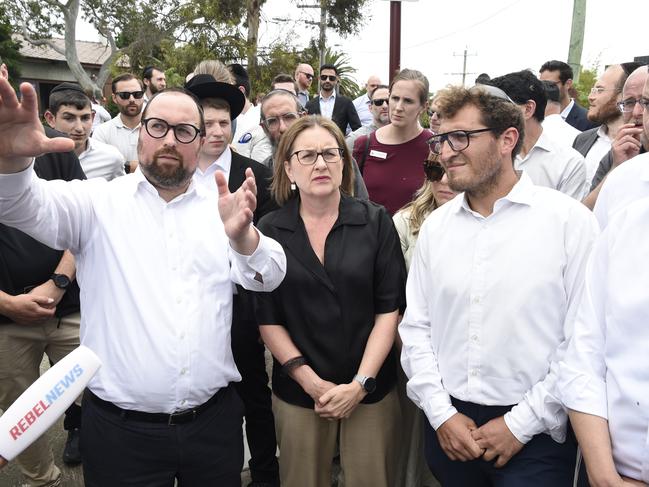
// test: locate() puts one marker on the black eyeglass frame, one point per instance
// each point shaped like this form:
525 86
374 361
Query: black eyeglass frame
197 131
318 154
382 101
437 141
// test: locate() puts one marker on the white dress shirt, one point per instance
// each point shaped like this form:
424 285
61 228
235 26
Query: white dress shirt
254 144
362 105
327 105
223 163
624 184
115 133
605 371
489 303
555 166
566 111
155 278
101 115
101 160
560 130
600 148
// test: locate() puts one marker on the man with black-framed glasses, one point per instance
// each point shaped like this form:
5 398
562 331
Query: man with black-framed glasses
157 255
332 105
122 131
493 283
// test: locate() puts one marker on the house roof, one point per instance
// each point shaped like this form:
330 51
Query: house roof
89 52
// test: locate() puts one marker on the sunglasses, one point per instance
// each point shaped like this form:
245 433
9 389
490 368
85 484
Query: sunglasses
433 170
324 77
308 75
380 101
125 95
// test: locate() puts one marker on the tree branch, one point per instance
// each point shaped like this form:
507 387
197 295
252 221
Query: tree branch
41 42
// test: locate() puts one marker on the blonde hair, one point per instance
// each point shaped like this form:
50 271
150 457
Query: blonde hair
421 206
216 69
280 186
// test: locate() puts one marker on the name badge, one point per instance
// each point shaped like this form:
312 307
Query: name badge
379 154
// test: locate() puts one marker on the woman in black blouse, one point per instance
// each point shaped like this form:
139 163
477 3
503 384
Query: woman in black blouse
331 324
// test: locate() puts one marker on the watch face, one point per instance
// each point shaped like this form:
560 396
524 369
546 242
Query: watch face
370 385
61 281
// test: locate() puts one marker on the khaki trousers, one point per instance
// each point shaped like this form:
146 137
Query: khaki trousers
367 441
21 353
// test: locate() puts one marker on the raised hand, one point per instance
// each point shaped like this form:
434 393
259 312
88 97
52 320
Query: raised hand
23 136
236 210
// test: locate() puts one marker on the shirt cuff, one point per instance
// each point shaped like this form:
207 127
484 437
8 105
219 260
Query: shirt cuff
582 392
14 184
523 422
437 416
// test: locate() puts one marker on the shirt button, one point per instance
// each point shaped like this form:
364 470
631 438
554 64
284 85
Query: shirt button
474 372
179 300
183 371
474 338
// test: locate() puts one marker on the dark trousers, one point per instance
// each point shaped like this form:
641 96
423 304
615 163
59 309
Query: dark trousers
541 463
125 452
248 352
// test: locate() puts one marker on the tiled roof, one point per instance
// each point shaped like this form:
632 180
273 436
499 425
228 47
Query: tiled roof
89 52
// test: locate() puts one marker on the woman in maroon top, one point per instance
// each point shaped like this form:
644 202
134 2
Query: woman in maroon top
391 161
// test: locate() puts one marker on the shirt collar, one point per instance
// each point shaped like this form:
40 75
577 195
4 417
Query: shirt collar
602 132
120 124
351 211
521 193
332 97
544 142
223 163
90 147
140 182
566 111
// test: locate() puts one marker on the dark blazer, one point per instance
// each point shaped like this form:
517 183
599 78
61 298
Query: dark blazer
578 119
585 141
265 202
344 112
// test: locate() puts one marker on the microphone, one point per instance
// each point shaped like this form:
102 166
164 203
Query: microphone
45 401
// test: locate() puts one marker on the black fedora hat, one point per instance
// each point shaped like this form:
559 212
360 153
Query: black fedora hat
205 86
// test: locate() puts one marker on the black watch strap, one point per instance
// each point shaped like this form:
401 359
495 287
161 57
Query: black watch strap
60 280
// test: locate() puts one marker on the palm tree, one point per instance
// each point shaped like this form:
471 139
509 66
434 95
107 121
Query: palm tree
347 85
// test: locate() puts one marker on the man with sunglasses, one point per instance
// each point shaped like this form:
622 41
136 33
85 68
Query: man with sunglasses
378 100
304 79
492 288
362 103
122 131
330 104
157 255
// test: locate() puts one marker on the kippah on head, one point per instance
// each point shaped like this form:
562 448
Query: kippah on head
68 87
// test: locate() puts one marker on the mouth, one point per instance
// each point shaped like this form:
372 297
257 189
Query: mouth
321 179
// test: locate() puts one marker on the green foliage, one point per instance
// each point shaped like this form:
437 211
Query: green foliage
587 80
9 49
346 16
347 86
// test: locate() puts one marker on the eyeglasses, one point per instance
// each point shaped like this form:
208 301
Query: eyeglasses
125 95
380 101
272 123
433 170
308 75
627 106
598 90
433 112
307 157
324 77
458 140
184 133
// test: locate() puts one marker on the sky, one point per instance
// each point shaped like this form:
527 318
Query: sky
500 36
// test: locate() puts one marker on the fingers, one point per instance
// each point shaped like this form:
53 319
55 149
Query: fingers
42 300
58 144
29 100
221 184
7 94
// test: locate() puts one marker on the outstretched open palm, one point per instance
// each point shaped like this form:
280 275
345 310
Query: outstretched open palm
237 208
23 136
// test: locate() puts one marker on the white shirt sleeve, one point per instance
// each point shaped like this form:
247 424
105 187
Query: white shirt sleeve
418 356
574 181
263 270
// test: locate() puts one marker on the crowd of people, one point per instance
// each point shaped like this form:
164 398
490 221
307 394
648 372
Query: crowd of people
459 304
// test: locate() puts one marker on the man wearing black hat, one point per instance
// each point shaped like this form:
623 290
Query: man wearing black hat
39 314
222 103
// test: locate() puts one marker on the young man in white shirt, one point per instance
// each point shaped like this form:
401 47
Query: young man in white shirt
70 112
157 256
495 278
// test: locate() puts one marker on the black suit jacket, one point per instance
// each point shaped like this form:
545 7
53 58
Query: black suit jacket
578 119
344 112
265 202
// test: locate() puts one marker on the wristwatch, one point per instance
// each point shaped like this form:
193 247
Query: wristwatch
368 383
60 280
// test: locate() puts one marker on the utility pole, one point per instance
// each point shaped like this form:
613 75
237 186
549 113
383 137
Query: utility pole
322 39
577 37
464 72
395 39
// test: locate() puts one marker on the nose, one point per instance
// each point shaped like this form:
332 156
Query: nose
638 111
446 152
283 126
170 138
320 162
444 178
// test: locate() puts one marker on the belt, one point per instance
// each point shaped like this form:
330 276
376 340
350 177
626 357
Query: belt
180 417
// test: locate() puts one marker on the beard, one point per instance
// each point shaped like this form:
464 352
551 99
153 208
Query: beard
607 113
130 110
165 177
153 88
483 180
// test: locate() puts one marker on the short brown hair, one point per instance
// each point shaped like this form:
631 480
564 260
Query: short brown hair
216 103
497 113
123 77
280 187
418 77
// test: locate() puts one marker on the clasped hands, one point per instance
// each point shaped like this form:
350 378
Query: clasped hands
336 401
462 440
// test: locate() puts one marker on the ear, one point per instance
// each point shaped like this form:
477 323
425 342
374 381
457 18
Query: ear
49 117
288 170
508 139
528 109
568 84
114 98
